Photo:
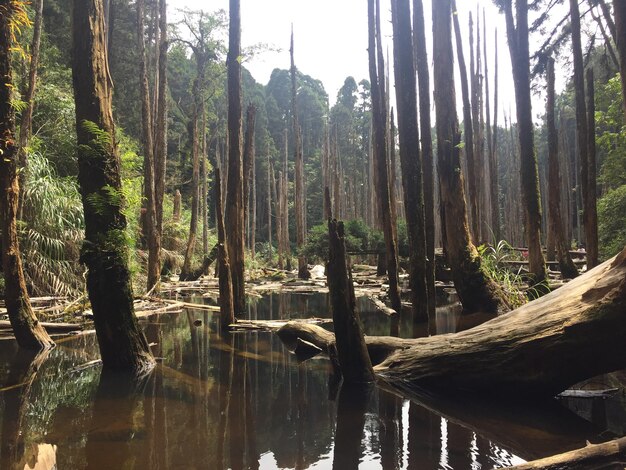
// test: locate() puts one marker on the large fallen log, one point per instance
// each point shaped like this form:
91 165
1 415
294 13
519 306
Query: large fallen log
539 349
610 455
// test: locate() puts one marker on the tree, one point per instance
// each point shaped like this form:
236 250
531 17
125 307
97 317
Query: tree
234 217
28 331
105 250
476 291
517 33
410 155
619 11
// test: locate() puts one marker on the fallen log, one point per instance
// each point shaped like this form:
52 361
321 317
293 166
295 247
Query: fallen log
539 349
610 455
50 327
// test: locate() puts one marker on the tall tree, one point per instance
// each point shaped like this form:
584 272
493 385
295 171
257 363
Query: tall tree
105 252
619 10
423 75
591 207
568 269
303 271
410 155
153 241
380 147
234 196
517 33
28 331
493 156
160 129
476 291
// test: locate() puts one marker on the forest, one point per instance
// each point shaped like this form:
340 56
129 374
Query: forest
422 268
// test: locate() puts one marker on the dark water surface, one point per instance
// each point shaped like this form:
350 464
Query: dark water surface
242 401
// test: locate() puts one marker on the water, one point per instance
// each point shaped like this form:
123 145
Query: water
243 401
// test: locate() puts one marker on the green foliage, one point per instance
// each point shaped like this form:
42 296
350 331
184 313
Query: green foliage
358 237
510 282
52 230
612 134
612 222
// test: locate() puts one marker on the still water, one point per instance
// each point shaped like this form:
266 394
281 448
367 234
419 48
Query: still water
243 401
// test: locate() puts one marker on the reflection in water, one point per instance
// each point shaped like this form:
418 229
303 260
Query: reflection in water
242 401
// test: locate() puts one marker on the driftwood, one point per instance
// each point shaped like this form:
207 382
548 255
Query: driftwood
608 456
195 274
50 327
539 349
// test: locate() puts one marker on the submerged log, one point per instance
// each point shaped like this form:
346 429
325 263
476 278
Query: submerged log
610 455
539 349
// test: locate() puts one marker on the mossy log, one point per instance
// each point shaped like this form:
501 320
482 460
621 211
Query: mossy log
539 349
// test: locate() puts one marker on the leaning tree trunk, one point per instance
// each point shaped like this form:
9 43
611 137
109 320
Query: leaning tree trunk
234 212
568 269
410 155
476 291
105 251
428 174
303 271
520 59
28 332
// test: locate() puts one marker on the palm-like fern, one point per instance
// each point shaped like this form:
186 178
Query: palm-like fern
51 231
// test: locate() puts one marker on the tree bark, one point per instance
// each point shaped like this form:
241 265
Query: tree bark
520 60
568 269
105 252
493 156
153 241
248 163
227 302
303 271
379 138
468 128
476 291
26 120
354 361
410 155
428 174
234 216
28 332
591 208
619 10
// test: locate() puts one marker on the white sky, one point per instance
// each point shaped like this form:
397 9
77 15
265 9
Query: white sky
331 40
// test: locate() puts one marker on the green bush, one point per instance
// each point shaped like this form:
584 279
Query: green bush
612 222
358 237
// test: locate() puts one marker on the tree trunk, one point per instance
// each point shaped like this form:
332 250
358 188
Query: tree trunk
591 208
28 332
379 138
468 128
555 222
476 99
234 216
271 197
248 163
354 361
619 10
177 204
476 291
423 75
303 271
105 252
227 302
493 156
285 206
26 119
410 155
520 59
153 241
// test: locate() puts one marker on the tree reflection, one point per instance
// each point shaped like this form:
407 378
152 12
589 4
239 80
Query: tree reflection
351 409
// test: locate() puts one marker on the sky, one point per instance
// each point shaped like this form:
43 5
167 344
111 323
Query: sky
331 40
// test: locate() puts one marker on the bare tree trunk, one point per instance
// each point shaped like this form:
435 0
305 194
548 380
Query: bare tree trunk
520 59
26 120
227 309
608 41
234 216
303 271
555 222
468 128
278 198
591 207
122 343
490 193
476 291
28 332
285 206
271 197
476 93
423 75
177 204
410 155
153 242
379 138
248 159
253 204
354 360
493 155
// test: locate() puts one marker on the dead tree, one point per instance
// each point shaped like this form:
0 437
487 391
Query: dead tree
248 164
122 343
227 309
591 207
568 269
28 332
300 195
493 155
410 155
